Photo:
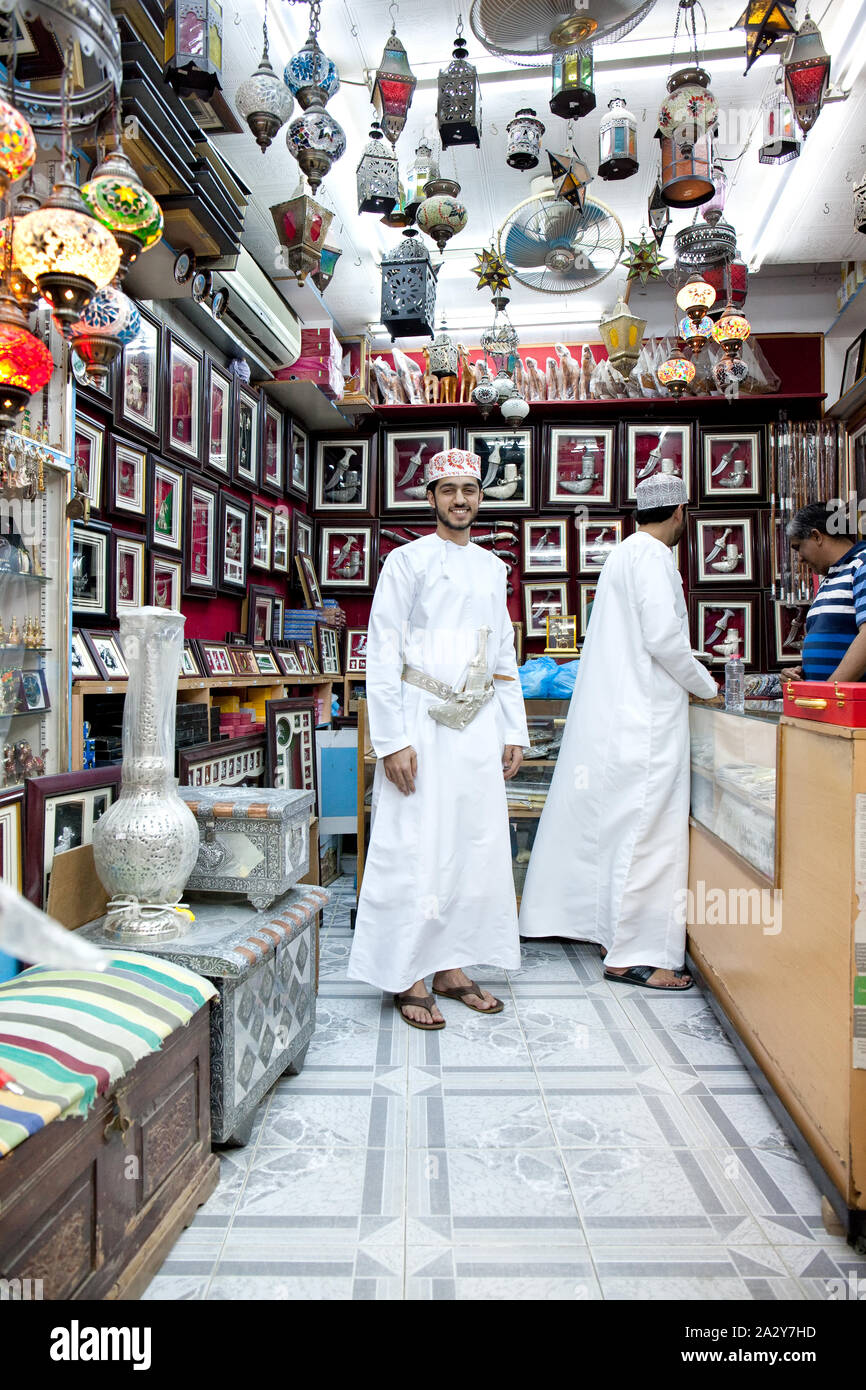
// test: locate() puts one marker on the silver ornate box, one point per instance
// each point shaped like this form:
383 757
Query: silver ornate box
254 840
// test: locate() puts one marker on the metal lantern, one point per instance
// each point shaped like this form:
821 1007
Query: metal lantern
514 409
194 47
617 142
316 140
689 111
119 200
399 215
731 331
485 396
524 139
729 373
423 167
659 214
500 343
378 175
712 211
263 100
677 373
700 245
109 322
327 265
622 334
572 94
695 333
408 288
393 86
765 21
302 225
781 137
440 215
444 355
807 74
458 109
686 178
860 206
731 283
311 74
695 298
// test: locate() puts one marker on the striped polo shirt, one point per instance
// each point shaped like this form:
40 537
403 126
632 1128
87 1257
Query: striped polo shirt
838 612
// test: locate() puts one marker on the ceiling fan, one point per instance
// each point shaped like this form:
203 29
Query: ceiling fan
555 247
529 32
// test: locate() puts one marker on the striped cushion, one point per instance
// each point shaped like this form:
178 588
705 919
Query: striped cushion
67 1036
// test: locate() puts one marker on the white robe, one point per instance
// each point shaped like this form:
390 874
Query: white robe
438 889
610 859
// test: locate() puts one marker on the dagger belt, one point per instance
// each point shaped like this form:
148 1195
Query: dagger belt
459 707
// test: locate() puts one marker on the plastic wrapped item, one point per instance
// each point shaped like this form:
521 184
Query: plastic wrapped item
762 380
561 685
587 367
410 376
534 674
569 373
642 373
553 376
387 383
535 384
29 934
607 383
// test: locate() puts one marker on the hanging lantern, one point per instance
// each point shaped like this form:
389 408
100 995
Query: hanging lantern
860 206
572 94
712 211
689 111
571 178
695 297
440 215
617 142
422 168
731 331
17 146
398 216
731 283
263 100
327 265
700 245
781 138
622 334
807 74
25 362
659 214
119 200
500 343
458 109
194 47
765 21
109 322
695 333
524 139
444 355
315 139
729 373
677 373
502 383
65 251
393 87
408 288
311 75
485 396
24 291
514 409
686 178
302 225
378 175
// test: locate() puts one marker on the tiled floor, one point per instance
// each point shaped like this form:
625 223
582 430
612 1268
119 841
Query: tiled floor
593 1141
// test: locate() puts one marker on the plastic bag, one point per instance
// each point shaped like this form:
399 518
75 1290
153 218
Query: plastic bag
560 685
534 675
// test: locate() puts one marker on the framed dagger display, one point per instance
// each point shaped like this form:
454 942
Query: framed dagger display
656 448
732 464
723 548
343 475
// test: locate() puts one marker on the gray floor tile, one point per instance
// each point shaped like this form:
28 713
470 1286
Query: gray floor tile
478 1121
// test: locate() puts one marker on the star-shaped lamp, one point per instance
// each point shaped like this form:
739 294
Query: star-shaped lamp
643 261
570 178
491 270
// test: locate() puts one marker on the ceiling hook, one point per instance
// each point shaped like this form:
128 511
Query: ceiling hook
392 10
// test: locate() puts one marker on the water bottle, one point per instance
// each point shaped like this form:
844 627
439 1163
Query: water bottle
735 684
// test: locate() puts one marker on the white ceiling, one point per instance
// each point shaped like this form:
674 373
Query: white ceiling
798 213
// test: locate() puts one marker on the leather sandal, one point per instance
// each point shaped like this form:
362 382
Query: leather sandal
640 975
418 1001
460 990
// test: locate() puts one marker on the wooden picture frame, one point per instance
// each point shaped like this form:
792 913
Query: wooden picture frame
107 652
59 813
507 467
561 634
303 535
139 383
233 544
183 399
733 464
288 662
281 541
309 579
88 458
279 622
267 662
518 641
190 663
127 478
344 475
260 619
273 449
653 446
214 658
166 581
348 552
356 651
580 468
11 839
91 569
329 650
545 546
787 628
716 617
298 463
34 692
245 441
130 564
82 664
291 734
405 455
586 598
243 660
165 498
200 540
230 762
596 538
852 368
724 548
543 599
218 420
261 537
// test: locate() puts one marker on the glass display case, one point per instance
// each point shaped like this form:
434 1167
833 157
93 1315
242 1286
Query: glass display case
733 780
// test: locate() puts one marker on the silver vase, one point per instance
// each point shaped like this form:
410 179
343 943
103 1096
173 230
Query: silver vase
146 844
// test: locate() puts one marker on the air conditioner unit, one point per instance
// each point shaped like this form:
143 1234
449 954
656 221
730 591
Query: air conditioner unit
257 324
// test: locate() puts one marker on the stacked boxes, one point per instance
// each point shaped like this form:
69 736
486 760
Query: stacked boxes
191 725
239 723
321 361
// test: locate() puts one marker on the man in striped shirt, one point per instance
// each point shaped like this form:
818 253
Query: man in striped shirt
834 648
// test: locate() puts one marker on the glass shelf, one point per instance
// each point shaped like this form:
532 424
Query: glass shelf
27 578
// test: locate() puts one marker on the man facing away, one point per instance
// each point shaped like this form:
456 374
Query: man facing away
834 648
446 720
610 860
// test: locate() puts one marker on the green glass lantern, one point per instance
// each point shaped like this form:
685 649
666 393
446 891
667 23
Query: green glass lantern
119 200
572 94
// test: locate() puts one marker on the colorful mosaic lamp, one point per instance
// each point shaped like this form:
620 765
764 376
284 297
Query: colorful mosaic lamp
263 100
109 322
695 333
17 146
118 199
25 362
696 297
572 93
65 251
807 74
441 215
393 87
731 331
677 373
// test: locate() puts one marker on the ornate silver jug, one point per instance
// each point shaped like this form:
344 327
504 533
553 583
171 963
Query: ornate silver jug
146 844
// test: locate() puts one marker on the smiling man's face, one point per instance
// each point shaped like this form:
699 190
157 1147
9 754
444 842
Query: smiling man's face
455 502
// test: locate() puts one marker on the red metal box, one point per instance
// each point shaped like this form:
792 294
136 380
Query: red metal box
828 702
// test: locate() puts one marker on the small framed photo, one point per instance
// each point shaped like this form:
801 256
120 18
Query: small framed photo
165 505
218 419
106 650
166 581
356 651
789 629
507 465
657 448
233 548
329 650
545 547
260 622
272 450
127 478
302 534
266 662
200 565
138 385
88 456
298 464
518 642
279 622
245 470
92 592
60 813
723 548
586 596
406 454
733 464
309 580
851 368
189 662
130 560
540 602
595 541
312 659
243 661
580 468
82 666
291 732
215 658
724 625
347 556
261 537
11 804
183 396
561 634
280 557
288 662
343 475
303 654
230 762
34 692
